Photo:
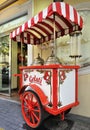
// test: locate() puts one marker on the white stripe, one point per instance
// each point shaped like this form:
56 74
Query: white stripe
54 6
78 18
35 33
29 23
18 38
25 35
63 10
23 26
45 13
45 27
18 30
41 31
66 31
14 33
61 22
71 13
36 19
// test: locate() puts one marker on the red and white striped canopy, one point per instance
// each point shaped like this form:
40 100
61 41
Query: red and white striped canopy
40 28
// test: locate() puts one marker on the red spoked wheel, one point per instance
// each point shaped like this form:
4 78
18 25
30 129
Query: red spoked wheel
31 109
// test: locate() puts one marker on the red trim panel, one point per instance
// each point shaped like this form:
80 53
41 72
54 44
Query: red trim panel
40 93
60 110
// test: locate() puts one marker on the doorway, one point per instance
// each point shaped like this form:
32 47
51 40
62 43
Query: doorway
12 56
5 80
18 58
21 58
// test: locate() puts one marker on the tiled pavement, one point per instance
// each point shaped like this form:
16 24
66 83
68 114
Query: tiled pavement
11 119
10 115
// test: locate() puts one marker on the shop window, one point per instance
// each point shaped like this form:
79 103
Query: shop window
4 64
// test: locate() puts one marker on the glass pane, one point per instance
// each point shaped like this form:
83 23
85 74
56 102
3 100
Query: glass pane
4 65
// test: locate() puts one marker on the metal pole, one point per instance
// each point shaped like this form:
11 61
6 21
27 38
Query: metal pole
54 48
21 52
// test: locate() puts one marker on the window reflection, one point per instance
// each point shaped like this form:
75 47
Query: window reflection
4 64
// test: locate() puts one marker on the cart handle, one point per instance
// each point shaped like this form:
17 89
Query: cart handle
18 75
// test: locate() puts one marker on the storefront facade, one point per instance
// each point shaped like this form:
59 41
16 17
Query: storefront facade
9 50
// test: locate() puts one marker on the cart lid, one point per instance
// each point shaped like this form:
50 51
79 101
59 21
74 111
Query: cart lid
40 28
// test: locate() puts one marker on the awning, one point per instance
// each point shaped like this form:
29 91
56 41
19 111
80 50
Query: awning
40 28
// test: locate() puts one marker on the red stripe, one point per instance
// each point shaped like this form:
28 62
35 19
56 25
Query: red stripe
20 30
36 41
34 37
67 11
47 25
42 29
26 25
31 40
36 32
14 33
56 23
32 22
68 24
28 38
50 11
14 38
30 33
81 23
40 17
58 8
22 37
75 16
25 38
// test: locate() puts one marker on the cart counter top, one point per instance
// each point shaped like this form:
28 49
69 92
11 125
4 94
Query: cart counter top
51 66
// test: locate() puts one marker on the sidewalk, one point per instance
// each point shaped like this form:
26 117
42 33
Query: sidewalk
11 119
10 115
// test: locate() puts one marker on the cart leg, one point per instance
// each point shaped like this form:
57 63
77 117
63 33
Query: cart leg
62 116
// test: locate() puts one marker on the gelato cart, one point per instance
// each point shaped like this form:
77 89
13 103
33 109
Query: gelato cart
48 86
